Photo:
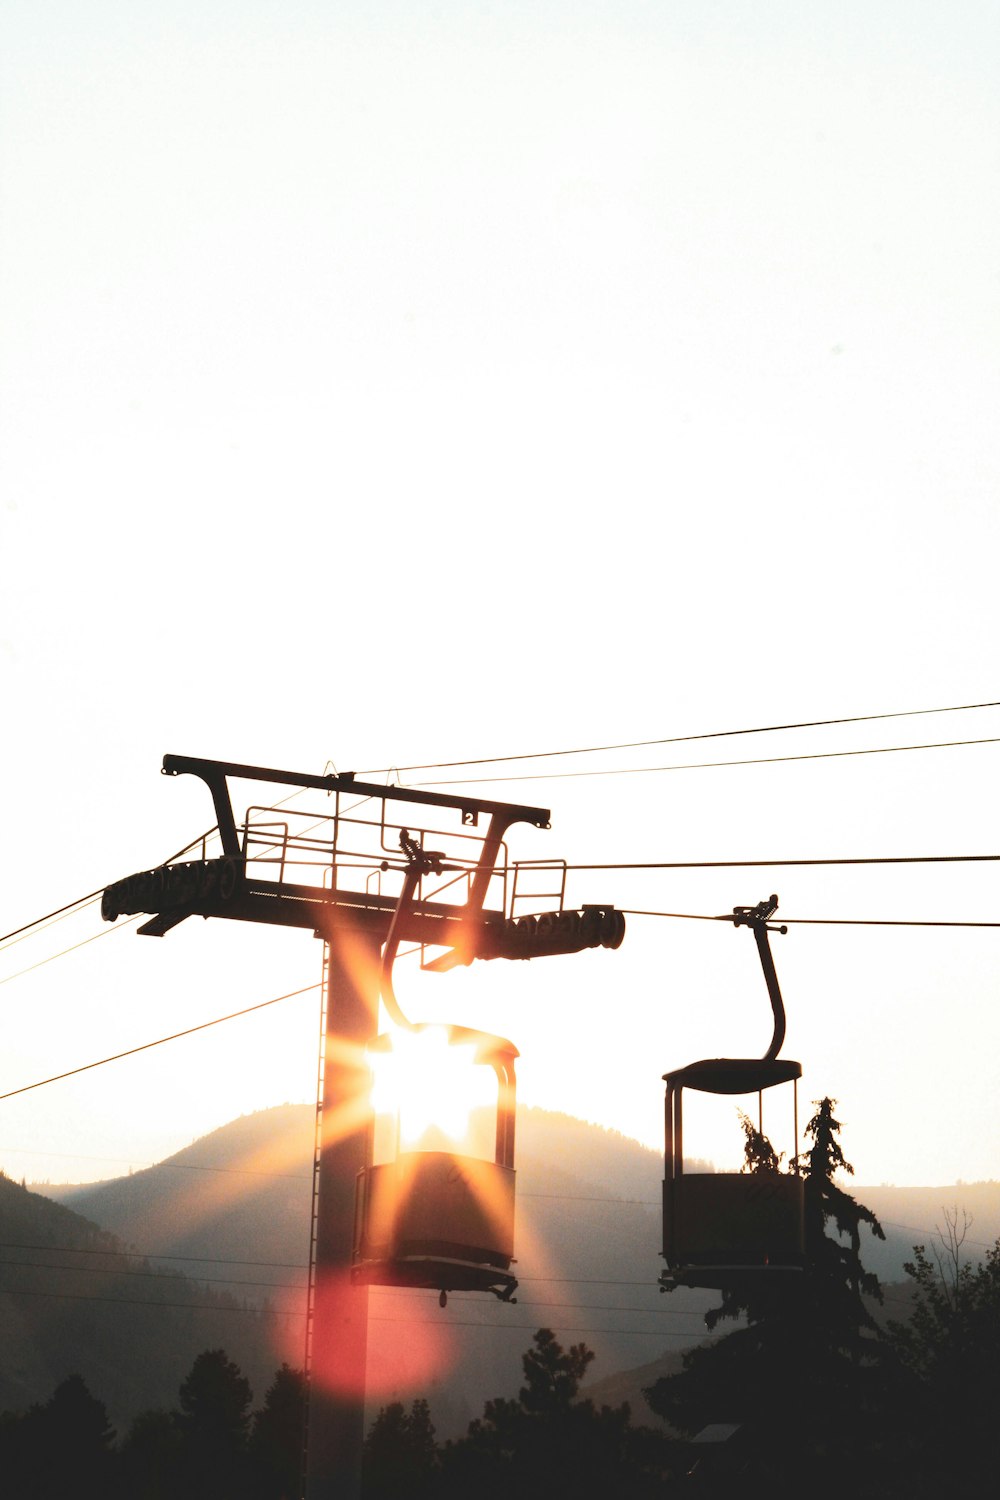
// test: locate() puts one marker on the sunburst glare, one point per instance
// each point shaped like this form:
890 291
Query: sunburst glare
429 1094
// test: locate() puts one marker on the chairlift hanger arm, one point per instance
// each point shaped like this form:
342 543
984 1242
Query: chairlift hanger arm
757 917
420 862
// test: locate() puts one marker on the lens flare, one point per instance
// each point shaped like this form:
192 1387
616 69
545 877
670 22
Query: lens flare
437 1096
408 1344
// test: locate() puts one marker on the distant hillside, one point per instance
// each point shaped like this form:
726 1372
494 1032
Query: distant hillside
243 1190
588 1242
588 1248
72 1301
629 1385
912 1215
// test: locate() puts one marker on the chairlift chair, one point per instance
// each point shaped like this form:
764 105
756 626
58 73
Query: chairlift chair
437 1218
440 1219
721 1229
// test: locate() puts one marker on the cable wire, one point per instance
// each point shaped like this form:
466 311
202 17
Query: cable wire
691 916
487 1325
41 1265
49 920
625 771
288 1265
655 1333
145 1046
288 1286
277 1312
170 1166
707 765
677 739
770 864
203 1307
105 932
214 1260
877 922
81 901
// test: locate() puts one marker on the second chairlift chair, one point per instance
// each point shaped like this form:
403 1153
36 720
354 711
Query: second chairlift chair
721 1229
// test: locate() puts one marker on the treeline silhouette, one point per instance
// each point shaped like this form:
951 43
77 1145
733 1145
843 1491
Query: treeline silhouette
74 1297
211 1447
809 1396
546 1443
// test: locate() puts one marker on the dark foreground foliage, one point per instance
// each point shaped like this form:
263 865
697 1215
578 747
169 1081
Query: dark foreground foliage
808 1397
811 1396
209 1448
948 1357
547 1442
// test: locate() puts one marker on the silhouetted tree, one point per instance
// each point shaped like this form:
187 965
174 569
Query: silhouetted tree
20 1441
549 1442
949 1358
215 1412
804 1374
149 1458
64 1448
277 1437
758 1153
401 1456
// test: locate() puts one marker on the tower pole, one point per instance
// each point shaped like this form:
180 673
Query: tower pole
340 1310
354 921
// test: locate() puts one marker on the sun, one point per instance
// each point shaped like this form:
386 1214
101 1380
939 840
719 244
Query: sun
428 1093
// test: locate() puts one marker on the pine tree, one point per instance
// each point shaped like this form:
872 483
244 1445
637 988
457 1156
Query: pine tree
215 1411
949 1355
802 1372
278 1436
550 1442
64 1448
401 1457
149 1458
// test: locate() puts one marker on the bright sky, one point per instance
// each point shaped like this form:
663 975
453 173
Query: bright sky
389 383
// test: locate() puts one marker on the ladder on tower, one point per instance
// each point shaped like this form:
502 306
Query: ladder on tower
310 1333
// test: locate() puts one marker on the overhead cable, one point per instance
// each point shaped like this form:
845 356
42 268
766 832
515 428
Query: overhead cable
62 911
676 739
707 765
877 922
105 932
213 1260
82 901
286 1286
656 1333
145 1046
289 1265
599 749
173 1276
691 916
775 864
171 1166
277 1312
203 1307
490 1325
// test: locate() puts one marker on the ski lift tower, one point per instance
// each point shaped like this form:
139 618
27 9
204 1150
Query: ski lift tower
341 870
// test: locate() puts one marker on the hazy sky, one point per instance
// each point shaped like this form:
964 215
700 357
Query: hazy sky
389 383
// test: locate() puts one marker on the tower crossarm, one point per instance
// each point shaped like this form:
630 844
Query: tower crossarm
216 774
351 867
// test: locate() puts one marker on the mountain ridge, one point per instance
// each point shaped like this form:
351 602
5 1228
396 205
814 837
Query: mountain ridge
73 1300
588 1240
